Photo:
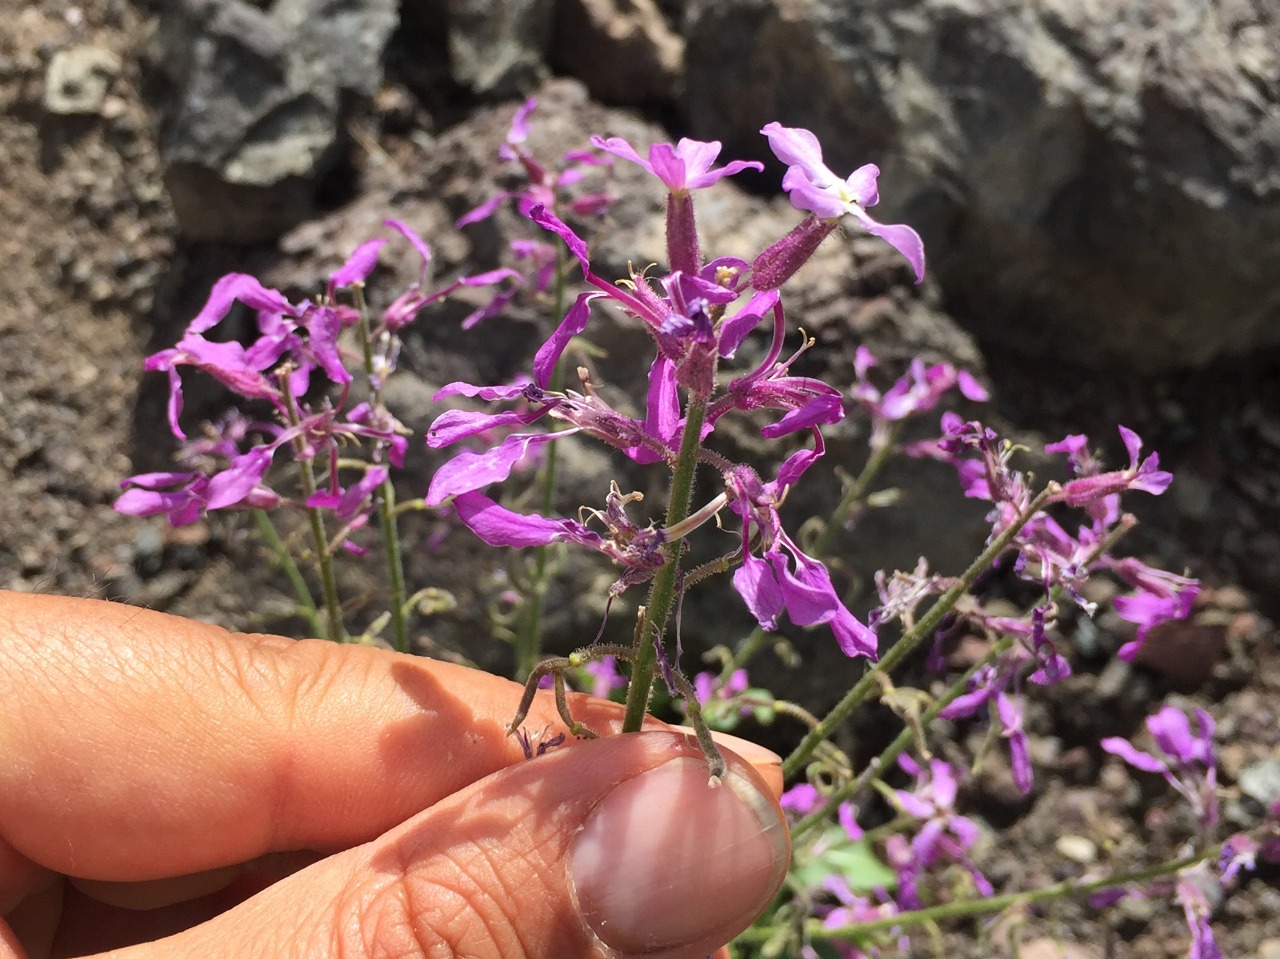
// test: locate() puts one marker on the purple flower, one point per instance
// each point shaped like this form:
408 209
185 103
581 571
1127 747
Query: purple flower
184 496
1187 761
784 577
606 676
1146 475
683 167
815 188
1192 889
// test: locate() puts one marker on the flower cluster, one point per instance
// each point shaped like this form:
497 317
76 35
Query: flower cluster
298 371
697 314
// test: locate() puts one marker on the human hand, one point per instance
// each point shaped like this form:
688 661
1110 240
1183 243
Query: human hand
168 789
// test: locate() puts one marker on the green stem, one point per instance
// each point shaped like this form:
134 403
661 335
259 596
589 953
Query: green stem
324 558
528 639
854 494
306 602
387 499
663 593
814 930
904 647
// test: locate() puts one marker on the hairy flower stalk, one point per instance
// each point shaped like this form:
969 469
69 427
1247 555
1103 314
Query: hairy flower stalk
662 594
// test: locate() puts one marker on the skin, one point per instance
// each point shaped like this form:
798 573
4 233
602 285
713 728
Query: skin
168 788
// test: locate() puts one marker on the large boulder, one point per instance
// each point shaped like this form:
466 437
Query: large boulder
1094 180
262 97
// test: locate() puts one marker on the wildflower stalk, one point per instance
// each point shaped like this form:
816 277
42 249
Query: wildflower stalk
306 602
663 593
386 499
528 639
868 685
814 930
324 556
904 738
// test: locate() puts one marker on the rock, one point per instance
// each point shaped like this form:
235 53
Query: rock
78 79
496 46
623 50
1261 782
261 103
1090 182
1079 849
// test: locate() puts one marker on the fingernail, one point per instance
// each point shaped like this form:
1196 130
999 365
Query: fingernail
668 860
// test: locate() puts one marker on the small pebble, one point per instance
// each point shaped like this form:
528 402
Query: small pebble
1077 848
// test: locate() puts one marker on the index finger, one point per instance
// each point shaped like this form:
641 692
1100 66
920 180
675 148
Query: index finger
138 745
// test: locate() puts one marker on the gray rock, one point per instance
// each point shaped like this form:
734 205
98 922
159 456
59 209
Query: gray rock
1261 782
261 105
78 79
623 50
496 47
1095 180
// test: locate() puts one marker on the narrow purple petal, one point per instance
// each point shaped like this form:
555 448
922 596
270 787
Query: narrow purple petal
470 470
358 266
540 215
735 329
232 287
453 425
574 322
1134 757
498 526
458 388
620 148
902 238
410 234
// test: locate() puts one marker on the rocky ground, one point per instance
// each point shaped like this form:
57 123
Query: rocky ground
96 276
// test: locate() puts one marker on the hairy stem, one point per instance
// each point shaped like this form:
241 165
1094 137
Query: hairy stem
663 593
387 498
868 685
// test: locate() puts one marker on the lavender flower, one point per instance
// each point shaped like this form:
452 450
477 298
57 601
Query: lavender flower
1186 758
815 188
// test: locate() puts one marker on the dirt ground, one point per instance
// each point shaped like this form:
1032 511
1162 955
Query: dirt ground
89 243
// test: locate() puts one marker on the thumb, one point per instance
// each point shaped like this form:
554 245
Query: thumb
614 847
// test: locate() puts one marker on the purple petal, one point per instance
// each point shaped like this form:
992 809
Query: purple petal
233 484
458 388
854 637
668 167
453 425
902 238
797 147
519 130
232 287
620 148
861 185
358 266
1134 757
574 322
735 329
410 234
540 215
498 526
755 583
325 325
820 409
470 470
806 195
483 211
